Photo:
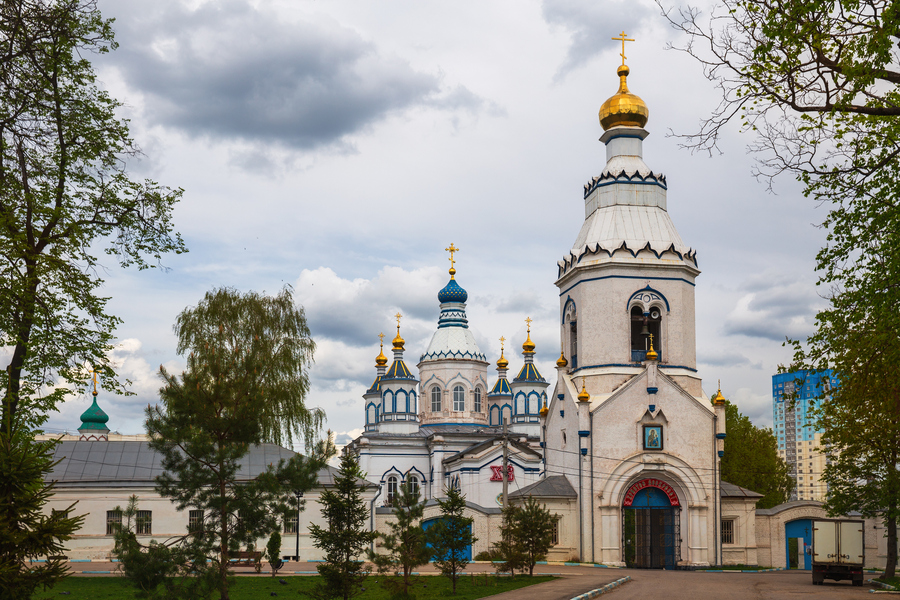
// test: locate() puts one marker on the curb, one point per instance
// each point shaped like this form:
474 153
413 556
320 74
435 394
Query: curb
740 571
606 588
885 586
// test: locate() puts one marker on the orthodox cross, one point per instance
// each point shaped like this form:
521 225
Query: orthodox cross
451 250
623 39
95 381
398 315
381 338
502 339
528 320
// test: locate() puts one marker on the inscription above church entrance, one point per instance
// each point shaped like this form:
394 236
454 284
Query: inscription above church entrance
651 532
662 486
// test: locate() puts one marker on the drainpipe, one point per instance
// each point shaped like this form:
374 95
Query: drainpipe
716 493
580 506
372 517
593 536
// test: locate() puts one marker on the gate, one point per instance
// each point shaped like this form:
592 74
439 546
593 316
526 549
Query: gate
651 532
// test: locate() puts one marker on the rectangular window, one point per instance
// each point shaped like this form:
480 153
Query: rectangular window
727 531
554 539
195 520
143 522
113 521
290 525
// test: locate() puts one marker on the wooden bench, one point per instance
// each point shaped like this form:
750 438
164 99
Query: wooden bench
247 559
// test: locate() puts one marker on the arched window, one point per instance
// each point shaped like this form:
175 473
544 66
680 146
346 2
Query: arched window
414 485
533 403
477 403
571 321
435 399
520 404
642 327
412 403
391 489
459 398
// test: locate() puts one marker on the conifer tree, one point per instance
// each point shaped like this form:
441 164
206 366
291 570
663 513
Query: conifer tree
346 537
452 536
406 545
527 534
25 532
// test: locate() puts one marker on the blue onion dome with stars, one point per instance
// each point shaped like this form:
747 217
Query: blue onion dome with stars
453 340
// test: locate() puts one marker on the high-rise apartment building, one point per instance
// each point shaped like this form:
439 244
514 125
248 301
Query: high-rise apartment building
794 395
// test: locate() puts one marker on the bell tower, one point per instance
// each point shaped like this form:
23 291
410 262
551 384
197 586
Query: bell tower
626 287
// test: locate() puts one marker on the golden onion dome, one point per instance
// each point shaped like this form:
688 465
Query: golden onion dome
718 398
583 396
623 109
543 412
381 359
561 362
398 342
502 363
528 346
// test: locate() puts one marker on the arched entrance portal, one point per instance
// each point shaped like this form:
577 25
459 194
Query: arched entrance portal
652 525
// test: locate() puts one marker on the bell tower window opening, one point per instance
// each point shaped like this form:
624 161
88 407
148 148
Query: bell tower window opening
435 399
643 325
459 398
571 321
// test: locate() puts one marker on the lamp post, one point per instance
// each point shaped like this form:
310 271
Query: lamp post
299 495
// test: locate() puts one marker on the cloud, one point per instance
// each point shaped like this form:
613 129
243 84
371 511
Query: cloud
774 307
354 311
727 359
588 20
230 70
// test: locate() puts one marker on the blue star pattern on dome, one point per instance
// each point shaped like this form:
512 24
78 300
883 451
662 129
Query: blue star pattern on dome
452 292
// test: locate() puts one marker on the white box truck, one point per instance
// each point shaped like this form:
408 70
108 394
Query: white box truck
838 551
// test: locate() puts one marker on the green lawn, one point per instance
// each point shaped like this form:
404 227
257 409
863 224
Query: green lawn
894 581
252 588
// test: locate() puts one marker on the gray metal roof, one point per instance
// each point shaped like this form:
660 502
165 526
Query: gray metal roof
729 490
132 463
557 486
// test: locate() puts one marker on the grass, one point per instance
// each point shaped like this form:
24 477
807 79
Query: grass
468 587
894 581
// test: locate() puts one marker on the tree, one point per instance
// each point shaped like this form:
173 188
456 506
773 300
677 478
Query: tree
64 191
751 460
526 535
817 81
406 545
273 552
247 354
346 537
25 532
451 537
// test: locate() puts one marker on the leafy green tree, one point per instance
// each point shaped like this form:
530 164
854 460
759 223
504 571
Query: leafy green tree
246 362
406 546
25 532
451 536
751 460
817 82
347 537
526 535
64 193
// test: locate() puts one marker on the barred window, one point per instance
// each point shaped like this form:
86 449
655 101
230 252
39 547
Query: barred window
554 537
113 521
290 524
143 523
435 399
459 398
727 531
195 520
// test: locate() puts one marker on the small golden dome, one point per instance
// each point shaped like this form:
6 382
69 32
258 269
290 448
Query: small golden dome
502 363
561 362
583 396
544 410
381 359
398 342
651 353
528 346
623 108
718 399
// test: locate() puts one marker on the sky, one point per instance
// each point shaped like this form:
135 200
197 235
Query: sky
338 147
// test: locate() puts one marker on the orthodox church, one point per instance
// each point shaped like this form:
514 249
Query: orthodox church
626 448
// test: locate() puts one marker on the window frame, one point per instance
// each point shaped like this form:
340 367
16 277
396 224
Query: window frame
143 522
436 399
459 398
476 403
728 531
113 521
195 520
392 482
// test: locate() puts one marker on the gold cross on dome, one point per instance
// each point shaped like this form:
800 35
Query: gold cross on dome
451 250
623 39
94 377
381 338
397 316
502 339
528 320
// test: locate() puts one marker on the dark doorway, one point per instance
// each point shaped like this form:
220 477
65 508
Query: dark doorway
651 531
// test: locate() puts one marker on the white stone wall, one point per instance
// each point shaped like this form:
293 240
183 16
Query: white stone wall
447 374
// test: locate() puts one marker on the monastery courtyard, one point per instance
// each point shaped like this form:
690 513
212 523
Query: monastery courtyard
645 583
